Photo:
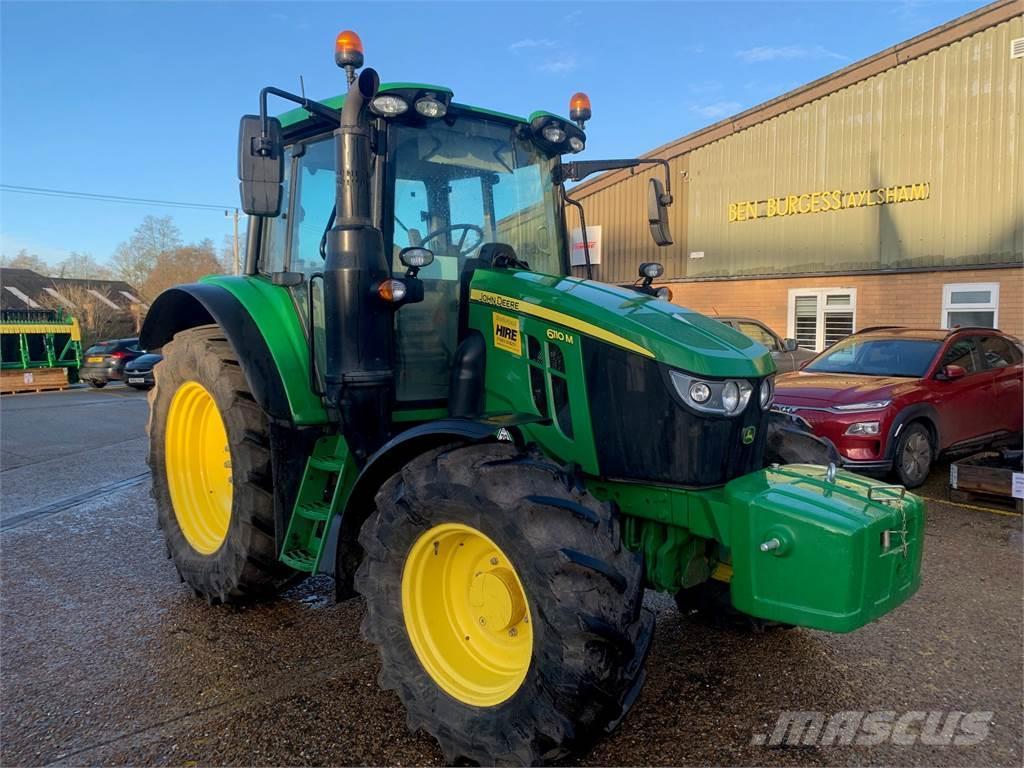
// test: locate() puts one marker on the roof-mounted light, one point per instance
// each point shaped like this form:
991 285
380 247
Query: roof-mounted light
553 132
387 105
579 109
348 53
428 106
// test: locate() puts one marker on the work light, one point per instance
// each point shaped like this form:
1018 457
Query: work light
389 106
553 133
428 106
764 395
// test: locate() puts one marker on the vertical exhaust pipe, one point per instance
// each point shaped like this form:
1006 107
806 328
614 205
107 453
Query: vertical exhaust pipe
358 374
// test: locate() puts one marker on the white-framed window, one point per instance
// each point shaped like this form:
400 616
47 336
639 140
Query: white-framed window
970 304
819 317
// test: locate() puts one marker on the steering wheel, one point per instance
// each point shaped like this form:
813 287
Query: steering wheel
466 229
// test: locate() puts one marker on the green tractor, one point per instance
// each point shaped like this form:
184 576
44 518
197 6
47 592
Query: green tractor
408 390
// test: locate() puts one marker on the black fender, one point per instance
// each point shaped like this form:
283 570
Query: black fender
917 412
187 306
389 459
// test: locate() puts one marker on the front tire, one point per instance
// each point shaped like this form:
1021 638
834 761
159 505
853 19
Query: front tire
97 383
913 455
209 452
507 614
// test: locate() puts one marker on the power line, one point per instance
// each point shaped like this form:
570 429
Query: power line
41 191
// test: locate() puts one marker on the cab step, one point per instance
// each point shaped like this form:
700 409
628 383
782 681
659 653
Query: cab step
325 484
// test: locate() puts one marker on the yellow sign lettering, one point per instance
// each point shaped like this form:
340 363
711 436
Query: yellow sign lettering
823 201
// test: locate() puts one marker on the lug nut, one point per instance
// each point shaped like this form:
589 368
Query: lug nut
512 632
768 546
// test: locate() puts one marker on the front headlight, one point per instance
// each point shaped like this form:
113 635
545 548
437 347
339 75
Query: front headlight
764 395
863 428
870 405
723 398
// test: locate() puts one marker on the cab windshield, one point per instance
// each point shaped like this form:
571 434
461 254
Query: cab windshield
456 187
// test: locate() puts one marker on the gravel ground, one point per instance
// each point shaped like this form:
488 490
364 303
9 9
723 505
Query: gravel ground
106 659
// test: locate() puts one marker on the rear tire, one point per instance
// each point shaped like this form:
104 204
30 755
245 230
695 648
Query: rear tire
914 455
97 384
582 589
223 560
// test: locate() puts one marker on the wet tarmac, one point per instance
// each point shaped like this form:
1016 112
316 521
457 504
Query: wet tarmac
106 659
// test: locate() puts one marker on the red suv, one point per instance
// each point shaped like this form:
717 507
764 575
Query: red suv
892 399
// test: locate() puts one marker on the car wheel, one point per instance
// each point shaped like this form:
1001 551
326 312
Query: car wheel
97 384
914 455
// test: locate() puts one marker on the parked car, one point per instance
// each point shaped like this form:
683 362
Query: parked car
105 360
785 352
138 373
893 399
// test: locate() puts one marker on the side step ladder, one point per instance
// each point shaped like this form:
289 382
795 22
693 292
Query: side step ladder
323 489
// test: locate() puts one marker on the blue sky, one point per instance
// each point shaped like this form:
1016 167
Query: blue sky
142 99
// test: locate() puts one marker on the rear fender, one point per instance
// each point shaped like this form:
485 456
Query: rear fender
262 326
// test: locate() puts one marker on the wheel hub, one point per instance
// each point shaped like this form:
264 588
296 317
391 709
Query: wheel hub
198 464
466 614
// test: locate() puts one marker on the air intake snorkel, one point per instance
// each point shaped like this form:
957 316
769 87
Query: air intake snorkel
358 373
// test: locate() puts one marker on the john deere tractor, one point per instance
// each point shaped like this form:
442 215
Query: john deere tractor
408 389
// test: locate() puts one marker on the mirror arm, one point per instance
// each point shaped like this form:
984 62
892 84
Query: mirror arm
580 169
313 107
583 229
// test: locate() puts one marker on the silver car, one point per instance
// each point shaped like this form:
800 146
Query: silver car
785 352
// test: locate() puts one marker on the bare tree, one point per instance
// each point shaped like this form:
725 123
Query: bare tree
25 260
84 266
135 258
181 265
96 318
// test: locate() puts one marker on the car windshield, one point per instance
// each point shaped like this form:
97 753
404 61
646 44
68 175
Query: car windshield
464 182
877 357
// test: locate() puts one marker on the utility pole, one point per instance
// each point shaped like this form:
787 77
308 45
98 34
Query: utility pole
236 266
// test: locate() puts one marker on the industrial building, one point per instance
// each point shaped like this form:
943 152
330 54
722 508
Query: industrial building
889 192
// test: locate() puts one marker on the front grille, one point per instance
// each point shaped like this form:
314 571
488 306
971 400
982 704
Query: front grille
642 432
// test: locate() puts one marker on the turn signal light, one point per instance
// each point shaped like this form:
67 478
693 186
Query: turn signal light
579 108
348 50
392 291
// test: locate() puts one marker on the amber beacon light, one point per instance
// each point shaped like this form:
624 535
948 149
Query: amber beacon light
579 109
348 52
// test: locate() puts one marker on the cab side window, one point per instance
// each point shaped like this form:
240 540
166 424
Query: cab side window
962 352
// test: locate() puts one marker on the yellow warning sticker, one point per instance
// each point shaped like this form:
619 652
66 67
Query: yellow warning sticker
506 334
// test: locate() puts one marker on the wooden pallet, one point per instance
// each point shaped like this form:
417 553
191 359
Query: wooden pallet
986 478
33 380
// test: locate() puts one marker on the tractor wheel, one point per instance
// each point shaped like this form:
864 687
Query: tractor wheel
711 604
505 609
209 452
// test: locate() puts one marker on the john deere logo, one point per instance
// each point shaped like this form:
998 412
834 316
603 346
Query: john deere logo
748 435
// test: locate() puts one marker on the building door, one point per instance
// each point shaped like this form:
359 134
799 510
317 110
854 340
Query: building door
819 317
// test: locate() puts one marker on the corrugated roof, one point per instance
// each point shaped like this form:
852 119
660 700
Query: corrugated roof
22 287
968 24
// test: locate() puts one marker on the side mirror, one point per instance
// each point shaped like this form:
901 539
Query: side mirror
951 373
260 166
415 258
789 345
657 212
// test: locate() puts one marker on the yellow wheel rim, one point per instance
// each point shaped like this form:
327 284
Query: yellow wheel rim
467 614
198 461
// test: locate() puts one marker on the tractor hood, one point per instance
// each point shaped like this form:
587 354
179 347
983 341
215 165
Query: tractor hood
666 332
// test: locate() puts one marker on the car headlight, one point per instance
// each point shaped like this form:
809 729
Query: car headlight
765 394
863 428
724 398
869 405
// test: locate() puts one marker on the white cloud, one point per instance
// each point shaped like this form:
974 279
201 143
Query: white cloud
717 109
559 63
787 52
532 42
572 18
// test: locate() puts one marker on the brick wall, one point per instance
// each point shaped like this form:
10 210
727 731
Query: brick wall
911 299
